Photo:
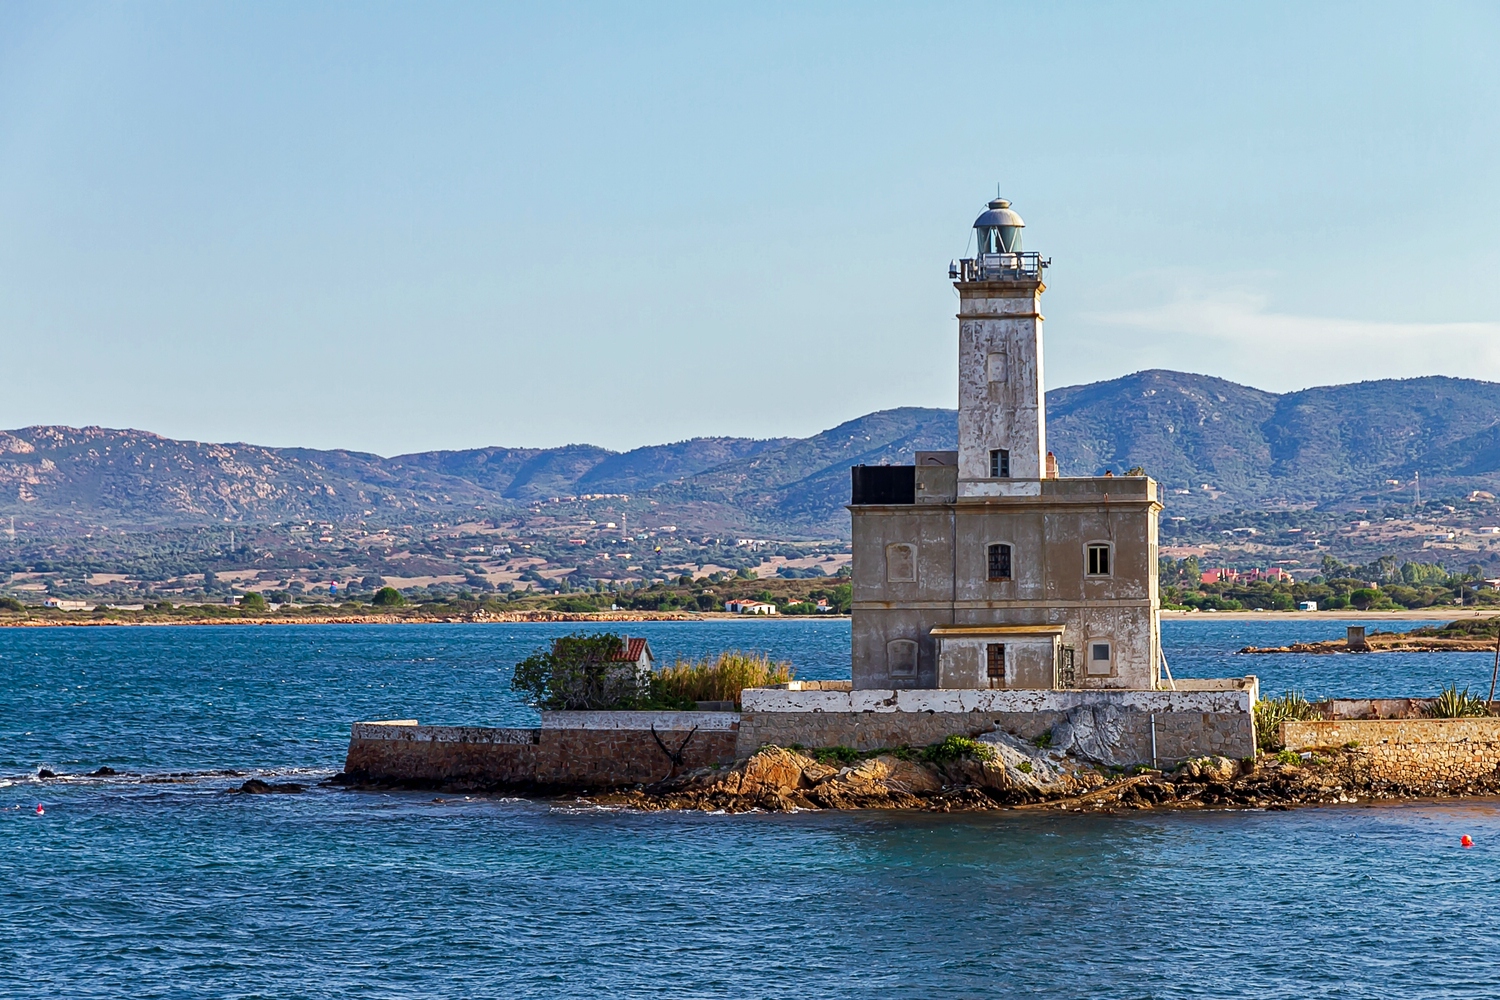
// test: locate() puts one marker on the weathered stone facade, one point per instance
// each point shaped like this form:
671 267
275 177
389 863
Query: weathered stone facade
924 566
989 536
566 757
1414 756
1108 727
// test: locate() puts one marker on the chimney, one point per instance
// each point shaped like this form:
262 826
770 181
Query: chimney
1051 466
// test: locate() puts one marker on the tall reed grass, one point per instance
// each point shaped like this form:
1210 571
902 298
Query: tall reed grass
720 678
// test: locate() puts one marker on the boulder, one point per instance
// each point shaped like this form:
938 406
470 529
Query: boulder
1093 733
891 774
1220 770
1019 764
883 782
771 771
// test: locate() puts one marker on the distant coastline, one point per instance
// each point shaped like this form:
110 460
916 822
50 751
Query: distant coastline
77 619
45 618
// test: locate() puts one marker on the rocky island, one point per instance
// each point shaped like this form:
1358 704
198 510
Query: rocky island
1466 636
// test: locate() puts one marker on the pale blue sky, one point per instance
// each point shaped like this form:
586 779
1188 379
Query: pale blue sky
399 227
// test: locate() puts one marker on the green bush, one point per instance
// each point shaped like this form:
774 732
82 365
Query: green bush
835 755
1272 712
252 602
11 604
958 748
1456 704
388 597
582 672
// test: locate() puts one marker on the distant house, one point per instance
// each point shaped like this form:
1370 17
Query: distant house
1274 574
638 652
62 605
633 660
750 608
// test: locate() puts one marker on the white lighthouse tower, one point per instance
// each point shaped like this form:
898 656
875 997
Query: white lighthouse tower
1002 425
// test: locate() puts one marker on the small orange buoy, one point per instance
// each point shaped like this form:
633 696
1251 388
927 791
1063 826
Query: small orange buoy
1466 840
39 809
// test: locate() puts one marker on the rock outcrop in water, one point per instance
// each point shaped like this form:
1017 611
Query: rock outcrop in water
257 787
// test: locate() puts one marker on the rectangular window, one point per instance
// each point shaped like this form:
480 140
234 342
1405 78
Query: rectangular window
900 563
1101 658
994 664
1098 560
901 657
1000 463
996 365
999 562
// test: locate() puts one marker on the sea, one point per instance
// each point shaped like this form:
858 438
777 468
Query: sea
156 882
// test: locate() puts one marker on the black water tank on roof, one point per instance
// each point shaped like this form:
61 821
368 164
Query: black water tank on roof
884 484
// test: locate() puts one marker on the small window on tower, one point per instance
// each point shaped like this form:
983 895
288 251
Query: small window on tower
1000 463
999 561
1098 560
996 365
1101 658
900 563
994 664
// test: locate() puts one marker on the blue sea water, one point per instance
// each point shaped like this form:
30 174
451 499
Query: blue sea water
156 883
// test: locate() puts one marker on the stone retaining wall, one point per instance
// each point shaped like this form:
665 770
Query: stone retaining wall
1418 756
1113 727
547 758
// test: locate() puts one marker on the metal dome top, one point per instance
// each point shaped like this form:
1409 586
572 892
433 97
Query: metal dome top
999 214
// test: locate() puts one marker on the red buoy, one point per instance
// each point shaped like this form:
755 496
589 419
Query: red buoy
1466 840
39 809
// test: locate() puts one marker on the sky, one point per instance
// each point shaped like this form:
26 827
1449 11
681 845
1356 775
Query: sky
402 227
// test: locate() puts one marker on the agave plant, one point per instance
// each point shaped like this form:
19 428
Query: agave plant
1456 704
1270 713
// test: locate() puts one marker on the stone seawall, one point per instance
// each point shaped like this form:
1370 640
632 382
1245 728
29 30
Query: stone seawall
1113 727
1411 756
563 757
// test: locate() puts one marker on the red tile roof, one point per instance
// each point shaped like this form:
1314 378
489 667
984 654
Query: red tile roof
634 647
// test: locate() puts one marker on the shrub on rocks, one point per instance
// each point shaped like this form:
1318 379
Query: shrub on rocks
958 748
1270 713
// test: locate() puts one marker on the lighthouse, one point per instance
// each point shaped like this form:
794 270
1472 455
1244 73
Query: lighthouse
982 567
1002 425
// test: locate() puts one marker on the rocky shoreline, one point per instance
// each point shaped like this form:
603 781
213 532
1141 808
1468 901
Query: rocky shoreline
1461 635
781 780
1384 642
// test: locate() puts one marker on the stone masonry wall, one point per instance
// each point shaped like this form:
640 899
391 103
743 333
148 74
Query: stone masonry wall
1179 735
1109 726
472 757
1416 756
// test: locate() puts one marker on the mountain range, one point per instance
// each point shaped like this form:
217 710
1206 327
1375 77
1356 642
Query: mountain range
1214 445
